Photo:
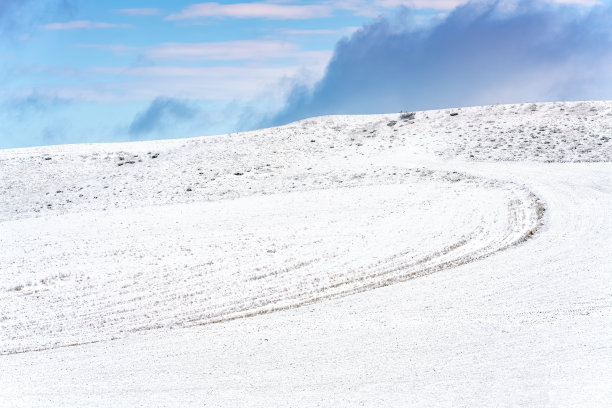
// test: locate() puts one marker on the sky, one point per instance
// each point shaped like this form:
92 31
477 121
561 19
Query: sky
76 71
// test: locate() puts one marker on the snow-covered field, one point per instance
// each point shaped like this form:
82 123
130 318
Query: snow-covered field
460 260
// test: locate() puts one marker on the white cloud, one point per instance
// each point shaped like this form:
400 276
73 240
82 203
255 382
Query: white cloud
222 51
117 49
140 11
127 84
340 31
253 50
421 4
82 24
253 10
134 84
309 32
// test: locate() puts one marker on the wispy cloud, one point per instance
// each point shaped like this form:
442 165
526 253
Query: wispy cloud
116 49
246 50
35 101
231 79
482 53
222 51
129 84
46 70
161 112
307 32
82 24
140 11
267 10
125 84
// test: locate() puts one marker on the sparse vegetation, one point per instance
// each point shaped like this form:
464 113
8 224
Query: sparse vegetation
407 115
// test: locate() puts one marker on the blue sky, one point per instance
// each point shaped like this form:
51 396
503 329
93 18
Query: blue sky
77 71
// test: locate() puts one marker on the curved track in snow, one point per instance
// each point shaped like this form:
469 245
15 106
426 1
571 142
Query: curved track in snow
88 277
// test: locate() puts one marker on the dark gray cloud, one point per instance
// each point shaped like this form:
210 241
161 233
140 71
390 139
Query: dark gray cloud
481 53
161 112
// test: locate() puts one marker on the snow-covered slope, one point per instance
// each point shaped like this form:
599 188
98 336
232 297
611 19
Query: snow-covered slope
302 244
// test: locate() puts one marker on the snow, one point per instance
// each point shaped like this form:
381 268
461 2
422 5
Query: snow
338 261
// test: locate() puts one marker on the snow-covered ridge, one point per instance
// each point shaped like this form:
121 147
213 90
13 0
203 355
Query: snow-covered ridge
127 252
100 200
60 179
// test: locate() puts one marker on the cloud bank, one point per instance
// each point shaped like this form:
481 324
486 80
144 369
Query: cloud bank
481 53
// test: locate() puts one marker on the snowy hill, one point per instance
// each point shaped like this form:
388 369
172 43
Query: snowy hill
460 258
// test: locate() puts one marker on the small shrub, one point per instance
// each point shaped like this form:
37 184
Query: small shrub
407 115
